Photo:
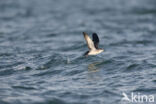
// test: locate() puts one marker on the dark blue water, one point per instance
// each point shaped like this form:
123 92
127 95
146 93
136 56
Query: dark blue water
41 48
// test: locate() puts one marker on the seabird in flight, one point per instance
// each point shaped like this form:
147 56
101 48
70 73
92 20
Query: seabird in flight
92 44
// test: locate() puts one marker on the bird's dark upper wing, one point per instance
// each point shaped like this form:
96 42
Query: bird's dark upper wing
95 40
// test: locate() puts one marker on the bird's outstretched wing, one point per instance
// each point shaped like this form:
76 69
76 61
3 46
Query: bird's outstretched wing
89 41
95 40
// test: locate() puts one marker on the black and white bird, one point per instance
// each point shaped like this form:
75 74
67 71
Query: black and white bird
92 44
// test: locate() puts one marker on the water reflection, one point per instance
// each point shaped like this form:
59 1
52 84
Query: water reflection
94 71
93 67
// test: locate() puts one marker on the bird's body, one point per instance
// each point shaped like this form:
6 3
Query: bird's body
95 52
92 44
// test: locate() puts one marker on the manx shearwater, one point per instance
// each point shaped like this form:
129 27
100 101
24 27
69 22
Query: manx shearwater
92 44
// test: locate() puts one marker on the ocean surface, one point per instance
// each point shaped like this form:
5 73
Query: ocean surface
42 47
